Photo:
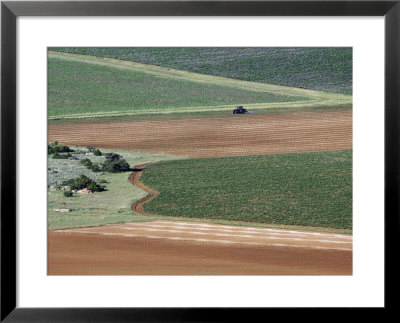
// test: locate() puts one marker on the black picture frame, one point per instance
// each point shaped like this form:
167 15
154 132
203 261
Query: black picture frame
10 10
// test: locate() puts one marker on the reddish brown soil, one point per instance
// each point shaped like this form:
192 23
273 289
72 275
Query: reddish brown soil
169 248
212 137
134 178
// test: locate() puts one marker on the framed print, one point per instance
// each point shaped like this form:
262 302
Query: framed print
204 160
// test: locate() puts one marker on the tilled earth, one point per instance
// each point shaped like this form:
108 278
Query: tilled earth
238 135
184 248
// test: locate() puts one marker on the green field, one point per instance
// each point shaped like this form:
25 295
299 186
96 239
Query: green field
110 206
78 87
310 189
85 86
326 69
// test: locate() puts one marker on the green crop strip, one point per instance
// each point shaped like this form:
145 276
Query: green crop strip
310 189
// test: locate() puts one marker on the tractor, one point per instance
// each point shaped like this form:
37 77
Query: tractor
239 110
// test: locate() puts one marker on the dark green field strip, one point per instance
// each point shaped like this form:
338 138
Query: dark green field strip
81 88
327 69
309 189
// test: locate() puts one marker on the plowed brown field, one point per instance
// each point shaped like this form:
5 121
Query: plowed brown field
212 137
182 248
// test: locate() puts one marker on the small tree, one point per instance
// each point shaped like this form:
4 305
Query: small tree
118 166
84 182
115 164
111 157
95 168
86 162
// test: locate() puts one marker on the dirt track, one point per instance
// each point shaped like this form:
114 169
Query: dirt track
212 137
134 179
181 248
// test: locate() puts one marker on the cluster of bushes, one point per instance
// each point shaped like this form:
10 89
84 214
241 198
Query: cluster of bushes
61 156
80 183
114 163
95 151
55 148
59 151
89 164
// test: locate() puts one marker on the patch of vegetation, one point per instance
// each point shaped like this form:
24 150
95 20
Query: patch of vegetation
82 182
309 189
55 148
68 193
90 165
327 68
114 163
110 206
61 156
94 151
97 152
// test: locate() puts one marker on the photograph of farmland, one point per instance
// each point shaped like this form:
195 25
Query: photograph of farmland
200 161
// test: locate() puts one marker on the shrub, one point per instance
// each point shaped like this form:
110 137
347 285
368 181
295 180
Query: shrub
92 166
86 162
68 193
94 187
54 147
84 182
112 157
61 156
115 164
118 166
95 168
97 152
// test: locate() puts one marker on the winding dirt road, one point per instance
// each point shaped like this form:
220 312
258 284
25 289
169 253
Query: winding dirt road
134 178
